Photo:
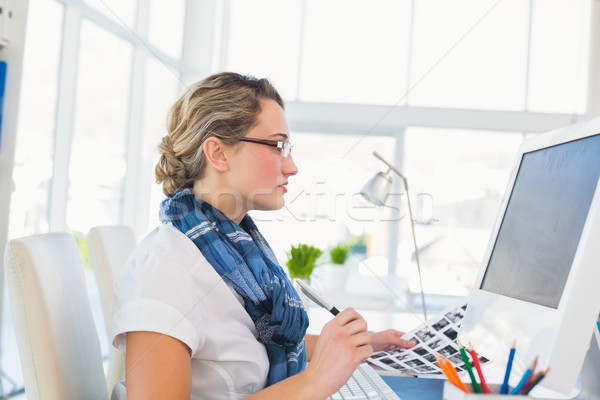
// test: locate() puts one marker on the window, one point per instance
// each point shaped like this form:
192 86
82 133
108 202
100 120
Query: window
559 56
165 29
121 11
266 43
465 174
429 53
355 51
463 55
97 168
34 152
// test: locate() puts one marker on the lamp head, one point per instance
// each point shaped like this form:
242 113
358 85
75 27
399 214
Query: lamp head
377 188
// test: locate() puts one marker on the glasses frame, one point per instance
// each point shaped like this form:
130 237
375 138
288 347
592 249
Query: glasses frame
285 148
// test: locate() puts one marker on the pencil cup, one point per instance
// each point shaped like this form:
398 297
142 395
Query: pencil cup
451 392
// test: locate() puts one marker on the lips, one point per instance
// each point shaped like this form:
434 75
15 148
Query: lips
283 187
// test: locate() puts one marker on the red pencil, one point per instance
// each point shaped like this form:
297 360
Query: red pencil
477 365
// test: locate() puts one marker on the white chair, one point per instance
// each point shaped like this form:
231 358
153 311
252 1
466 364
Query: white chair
110 246
57 340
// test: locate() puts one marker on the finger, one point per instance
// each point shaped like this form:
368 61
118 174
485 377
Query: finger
395 339
393 333
355 326
361 339
351 337
365 352
405 343
347 315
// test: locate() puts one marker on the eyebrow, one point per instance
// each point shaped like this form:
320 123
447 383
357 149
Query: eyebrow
283 135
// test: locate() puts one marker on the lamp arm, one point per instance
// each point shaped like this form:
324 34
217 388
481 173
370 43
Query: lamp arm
414 236
390 166
412 226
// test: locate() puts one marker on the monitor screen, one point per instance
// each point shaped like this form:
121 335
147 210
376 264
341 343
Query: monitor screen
547 209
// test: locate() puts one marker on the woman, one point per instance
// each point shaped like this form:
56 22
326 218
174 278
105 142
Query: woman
202 309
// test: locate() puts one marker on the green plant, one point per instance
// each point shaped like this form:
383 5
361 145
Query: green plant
339 254
302 260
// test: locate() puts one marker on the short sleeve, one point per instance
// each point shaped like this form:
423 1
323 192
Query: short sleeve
156 291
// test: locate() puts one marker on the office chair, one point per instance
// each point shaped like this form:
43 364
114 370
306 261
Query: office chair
56 337
109 248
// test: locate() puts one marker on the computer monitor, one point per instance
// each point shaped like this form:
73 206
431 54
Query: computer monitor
539 284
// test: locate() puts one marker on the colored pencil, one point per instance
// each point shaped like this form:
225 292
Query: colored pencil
538 377
445 366
484 387
525 377
450 373
465 358
511 357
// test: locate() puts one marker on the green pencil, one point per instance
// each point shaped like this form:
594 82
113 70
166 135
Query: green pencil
465 358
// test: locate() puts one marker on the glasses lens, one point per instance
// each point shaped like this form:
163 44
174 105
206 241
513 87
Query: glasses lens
286 149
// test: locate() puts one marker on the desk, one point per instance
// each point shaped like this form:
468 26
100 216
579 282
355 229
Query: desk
416 388
433 389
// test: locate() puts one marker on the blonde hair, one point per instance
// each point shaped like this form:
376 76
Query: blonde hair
225 106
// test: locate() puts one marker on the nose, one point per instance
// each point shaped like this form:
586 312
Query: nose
289 166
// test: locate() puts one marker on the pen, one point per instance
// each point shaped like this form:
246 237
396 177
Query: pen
465 358
525 377
511 356
316 297
484 387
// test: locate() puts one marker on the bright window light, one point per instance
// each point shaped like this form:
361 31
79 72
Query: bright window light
34 151
165 29
559 56
264 41
121 11
355 51
97 168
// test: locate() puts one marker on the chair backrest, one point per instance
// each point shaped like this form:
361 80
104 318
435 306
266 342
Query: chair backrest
57 340
109 248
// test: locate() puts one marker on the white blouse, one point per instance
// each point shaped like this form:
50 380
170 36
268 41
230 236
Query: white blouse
167 286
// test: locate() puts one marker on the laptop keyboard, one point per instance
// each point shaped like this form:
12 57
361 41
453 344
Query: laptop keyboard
365 384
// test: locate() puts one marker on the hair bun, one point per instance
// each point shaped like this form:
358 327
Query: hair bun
170 170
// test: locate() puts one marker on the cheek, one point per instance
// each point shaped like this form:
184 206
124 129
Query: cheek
265 168
262 172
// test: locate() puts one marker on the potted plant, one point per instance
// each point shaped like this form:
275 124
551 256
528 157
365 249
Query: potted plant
339 254
302 259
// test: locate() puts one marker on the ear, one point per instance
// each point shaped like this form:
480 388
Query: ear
215 153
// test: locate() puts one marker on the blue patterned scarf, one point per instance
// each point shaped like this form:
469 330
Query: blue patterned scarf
243 258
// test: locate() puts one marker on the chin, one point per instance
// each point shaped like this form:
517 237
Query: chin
271 206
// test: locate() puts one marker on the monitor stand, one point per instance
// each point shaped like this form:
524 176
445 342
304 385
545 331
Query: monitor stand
590 372
588 384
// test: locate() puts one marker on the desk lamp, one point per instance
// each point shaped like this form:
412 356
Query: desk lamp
376 191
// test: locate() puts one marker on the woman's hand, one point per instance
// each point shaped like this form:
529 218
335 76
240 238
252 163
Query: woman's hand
343 344
389 338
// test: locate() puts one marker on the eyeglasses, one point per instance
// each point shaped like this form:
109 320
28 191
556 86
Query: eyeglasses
284 147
